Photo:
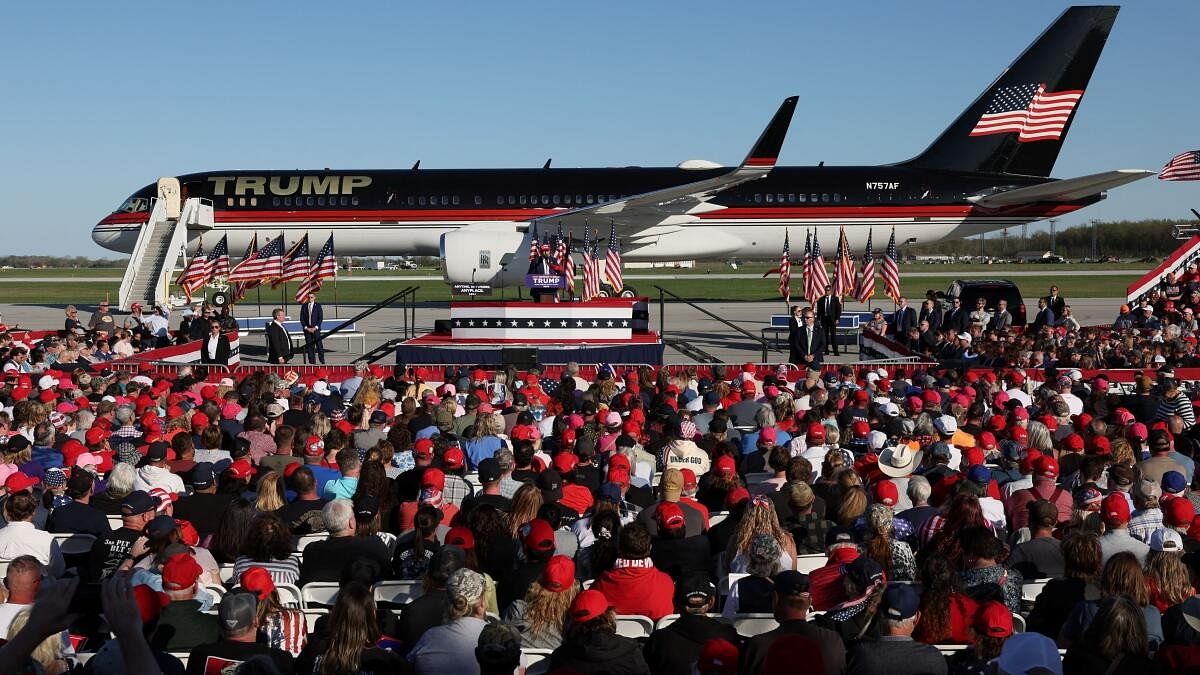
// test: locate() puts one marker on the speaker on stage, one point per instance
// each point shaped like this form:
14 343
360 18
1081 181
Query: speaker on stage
521 358
441 326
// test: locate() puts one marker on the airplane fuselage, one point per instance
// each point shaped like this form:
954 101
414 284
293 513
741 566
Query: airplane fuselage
405 212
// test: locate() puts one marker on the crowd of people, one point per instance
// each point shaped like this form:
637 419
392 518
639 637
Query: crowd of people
1161 329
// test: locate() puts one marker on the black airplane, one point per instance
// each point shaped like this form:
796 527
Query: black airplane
987 171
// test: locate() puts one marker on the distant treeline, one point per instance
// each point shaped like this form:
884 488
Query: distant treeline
1125 239
55 261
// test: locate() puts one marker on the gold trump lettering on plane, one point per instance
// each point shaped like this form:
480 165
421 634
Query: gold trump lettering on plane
287 185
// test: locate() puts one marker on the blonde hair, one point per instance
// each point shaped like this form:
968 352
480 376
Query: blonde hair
1122 452
525 504
48 651
546 610
759 518
1170 576
320 425
852 505
269 497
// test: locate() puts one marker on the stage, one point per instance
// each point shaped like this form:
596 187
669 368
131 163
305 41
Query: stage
607 330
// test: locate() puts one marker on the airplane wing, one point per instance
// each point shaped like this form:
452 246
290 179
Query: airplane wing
1065 190
669 208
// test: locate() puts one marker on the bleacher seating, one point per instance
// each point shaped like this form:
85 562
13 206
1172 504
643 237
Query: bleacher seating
807 563
319 593
634 626
398 592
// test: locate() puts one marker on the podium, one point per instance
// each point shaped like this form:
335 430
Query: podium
539 284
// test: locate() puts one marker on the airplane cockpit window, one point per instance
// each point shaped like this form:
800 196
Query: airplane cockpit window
134 205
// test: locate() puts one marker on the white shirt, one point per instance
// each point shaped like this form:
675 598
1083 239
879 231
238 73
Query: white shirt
212 349
150 477
22 538
1074 404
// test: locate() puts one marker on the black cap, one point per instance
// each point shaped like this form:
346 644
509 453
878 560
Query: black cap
791 582
17 443
137 503
626 441
718 426
378 417
838 535
157 452
520 399
695 589
241 448
203 475
161 524
80 482
550 483
366 506
489 470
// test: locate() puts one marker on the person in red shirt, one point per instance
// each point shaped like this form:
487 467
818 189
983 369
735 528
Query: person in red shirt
691 485
1045 473
634 585
826 584
574 496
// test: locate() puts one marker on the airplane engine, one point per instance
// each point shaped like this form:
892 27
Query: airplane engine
483 255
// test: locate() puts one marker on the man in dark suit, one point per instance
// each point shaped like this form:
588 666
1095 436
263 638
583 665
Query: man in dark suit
957 318
1056 302
809 344
215 347
1002 319
829 312
931 311
1045 316
795 322
904 318
279 345
311 315
544 265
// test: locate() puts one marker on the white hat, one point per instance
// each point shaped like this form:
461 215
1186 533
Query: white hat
876 439
898 461
1159 358
890 409
47 382
946 425
1165 539
321 387
964 336
872 376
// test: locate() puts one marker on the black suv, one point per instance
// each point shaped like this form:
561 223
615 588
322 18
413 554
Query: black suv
991 290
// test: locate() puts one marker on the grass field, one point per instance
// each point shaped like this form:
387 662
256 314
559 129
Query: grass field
73 285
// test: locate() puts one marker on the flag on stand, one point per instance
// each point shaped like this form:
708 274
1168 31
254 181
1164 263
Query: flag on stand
818 279
1184 166
195 274
865 288
560 248
889 269
218 259
569 266
612 262
533 244
265 264
1029 111
843 280
295 263
785 270
324 268
804 261
240 287
591 268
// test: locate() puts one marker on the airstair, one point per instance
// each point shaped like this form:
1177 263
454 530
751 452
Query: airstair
160 244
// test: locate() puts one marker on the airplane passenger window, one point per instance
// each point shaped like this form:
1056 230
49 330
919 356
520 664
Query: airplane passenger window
320 201
770 198
354 201
309 201
511 200
779 198
557 199
287 201
792 197
803 197
523 199
825 197
454 199
813 198
612 198
445 200
591 199
274 201
837 197
578 199
546 200
229 201
254 201
421 200
757 198
478 200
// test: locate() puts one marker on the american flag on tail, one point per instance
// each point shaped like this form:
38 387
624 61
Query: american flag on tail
843 281
785 270
612 262
324 268
295 263
265 264
866 279
1029 111
818 279
889 269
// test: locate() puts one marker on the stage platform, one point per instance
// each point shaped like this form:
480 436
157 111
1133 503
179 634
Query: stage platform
611 330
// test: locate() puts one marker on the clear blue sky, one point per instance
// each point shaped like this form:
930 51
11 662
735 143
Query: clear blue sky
102 98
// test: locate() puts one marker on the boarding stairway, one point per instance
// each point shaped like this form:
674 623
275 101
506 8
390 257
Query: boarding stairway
1187 253
160 244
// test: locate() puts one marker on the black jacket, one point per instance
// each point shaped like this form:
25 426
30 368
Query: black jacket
600 653
829 309
279 345
673 650
223 350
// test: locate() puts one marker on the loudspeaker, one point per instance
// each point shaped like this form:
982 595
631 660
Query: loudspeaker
521 358
441 326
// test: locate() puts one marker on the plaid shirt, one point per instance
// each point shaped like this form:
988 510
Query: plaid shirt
809 532
457 489
1144 523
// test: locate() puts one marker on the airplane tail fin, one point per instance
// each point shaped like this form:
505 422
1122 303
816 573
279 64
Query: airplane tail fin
1018 124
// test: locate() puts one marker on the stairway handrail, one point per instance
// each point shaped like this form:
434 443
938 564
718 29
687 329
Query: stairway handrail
139 252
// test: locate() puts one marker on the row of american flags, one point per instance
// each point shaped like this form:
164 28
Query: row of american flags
847 281
561 248
271 263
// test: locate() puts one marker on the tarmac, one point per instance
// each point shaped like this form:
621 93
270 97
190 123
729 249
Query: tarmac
678 320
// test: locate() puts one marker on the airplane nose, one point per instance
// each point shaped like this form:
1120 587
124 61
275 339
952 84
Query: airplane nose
103 236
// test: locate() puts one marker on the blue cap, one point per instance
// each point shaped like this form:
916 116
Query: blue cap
791 582
939 450
203 475
1011 450
1023 652
137 503
711 398
979 474
900 602
1173 481
611 492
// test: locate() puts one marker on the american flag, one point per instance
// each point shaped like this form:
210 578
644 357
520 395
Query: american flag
785 270
612 262
843 281
560 248
889 269
866 280
196 273
240 287
1184 166
295 263
324 268
569 265
1030 111
818 279
804 260
264 264
533 243
591 268
218 259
